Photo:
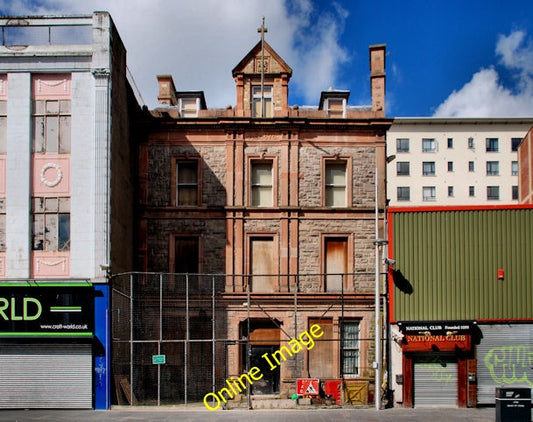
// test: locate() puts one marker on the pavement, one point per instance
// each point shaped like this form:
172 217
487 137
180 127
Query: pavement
168 414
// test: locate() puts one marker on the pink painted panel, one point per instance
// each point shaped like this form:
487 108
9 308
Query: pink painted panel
51 86
2 175
50 264
2 264
51 175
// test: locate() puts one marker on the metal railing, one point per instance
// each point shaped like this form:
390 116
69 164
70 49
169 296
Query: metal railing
182 319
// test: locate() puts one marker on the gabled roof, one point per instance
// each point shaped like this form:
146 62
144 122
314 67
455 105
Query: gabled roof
257 51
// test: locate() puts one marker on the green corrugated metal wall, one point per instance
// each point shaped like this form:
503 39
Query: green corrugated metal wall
451 259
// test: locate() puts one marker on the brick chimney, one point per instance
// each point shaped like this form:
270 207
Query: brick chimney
167 90
377 78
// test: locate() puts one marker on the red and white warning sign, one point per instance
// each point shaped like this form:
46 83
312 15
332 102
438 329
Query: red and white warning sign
307 386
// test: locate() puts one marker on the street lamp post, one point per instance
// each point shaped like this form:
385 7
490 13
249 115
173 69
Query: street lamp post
377 302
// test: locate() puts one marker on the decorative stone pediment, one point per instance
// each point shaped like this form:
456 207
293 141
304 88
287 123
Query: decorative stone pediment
251 63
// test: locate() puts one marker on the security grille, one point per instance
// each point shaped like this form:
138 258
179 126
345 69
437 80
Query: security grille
184 317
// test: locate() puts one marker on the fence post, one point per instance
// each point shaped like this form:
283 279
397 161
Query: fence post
186 344
131 337
160 338
213 334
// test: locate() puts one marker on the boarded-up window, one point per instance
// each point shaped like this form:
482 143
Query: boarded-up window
263 266
51 224
51 126
335 184
335 107
321 355
336 253
187 183
189 107
186 254
261 195
350 348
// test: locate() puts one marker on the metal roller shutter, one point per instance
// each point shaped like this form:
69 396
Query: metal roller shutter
435 384
504 358
46 376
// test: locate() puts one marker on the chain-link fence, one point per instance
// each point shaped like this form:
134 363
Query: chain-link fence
177 337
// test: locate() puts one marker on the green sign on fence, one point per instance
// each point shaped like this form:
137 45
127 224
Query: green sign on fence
159 359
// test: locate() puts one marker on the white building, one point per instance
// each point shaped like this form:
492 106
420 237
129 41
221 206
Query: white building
454 161
66 196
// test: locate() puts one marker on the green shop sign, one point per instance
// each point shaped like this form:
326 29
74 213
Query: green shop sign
46 310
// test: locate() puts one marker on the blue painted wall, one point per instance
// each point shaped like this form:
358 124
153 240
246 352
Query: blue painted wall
101 348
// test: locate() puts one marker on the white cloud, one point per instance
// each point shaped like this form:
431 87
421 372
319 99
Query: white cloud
200 42
486 96
317 52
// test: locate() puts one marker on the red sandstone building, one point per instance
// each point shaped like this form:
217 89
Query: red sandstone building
279 202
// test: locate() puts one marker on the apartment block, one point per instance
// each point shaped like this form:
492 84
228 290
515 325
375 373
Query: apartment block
455 161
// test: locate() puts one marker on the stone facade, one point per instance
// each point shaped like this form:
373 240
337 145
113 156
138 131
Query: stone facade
284 206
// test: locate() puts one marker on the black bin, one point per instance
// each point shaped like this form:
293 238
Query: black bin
513 405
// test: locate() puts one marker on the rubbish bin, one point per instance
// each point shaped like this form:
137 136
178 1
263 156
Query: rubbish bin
513 405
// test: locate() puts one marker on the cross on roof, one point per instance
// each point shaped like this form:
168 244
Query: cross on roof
262 30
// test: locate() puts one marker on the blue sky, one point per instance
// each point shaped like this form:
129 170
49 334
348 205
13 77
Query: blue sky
465 58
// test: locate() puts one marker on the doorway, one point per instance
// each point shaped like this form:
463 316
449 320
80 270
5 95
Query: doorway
264 339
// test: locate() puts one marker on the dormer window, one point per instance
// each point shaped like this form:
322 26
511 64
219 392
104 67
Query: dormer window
262 67
335 107
190 103
266 110
334 103
189 107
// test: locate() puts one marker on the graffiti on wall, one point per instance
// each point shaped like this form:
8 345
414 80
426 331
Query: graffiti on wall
511 364
439 373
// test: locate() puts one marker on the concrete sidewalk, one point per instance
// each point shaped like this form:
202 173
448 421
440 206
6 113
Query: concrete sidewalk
172 414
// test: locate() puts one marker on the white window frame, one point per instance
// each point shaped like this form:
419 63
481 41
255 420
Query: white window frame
331 185
492 145
491 190
515 142
403 168
429 193
258 184
327 106
47 234
429 145
400 147
52 126
493 168
188 112
196 185
400 191
268 104
350 346
428 168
